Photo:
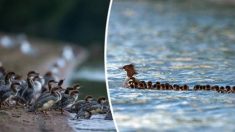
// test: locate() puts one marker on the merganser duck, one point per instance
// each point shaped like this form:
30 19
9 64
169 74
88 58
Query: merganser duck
67 100
8 94
80 106
208 87
29 91
196 87
7 82
233 89
130 70
44 104
227 89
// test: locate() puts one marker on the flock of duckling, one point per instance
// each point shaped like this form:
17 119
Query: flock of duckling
132 82
39 93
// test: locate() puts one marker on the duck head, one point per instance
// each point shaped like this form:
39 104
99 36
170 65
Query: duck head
88 98
76 87
149 84
74 94
101 100
130 70
9 77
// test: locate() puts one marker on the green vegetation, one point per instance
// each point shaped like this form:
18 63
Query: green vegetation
78 21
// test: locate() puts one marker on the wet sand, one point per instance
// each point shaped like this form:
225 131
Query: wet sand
18 120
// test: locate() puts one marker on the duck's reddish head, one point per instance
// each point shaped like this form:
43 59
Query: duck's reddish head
130 69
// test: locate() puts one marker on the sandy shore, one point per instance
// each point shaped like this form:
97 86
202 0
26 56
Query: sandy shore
18 120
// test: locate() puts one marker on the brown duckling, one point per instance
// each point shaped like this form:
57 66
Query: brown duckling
196 87
208 87
185 87
149 85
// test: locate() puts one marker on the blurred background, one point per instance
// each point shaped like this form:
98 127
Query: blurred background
42 32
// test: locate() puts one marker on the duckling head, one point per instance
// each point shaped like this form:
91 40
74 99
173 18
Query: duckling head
101 100
228 88
32 73
149 84
76 87
88 98
74 94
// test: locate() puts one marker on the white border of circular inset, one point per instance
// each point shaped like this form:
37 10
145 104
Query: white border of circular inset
105 68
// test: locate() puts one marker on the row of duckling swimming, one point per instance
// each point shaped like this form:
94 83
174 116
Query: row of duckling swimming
133 83
39 93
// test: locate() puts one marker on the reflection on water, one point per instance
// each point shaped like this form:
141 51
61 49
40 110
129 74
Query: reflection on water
182 42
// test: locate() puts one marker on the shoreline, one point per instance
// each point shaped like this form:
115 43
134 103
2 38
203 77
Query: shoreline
17 119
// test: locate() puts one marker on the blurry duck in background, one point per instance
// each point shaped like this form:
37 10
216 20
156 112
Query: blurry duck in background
48 77
55 70
61 62
7 42
68 53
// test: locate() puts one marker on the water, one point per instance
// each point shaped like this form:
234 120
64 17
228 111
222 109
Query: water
96 123
88 78
183 42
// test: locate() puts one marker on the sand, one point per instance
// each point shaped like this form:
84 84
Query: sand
19 120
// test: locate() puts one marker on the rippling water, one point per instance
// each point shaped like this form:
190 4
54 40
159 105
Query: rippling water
96 124
180 42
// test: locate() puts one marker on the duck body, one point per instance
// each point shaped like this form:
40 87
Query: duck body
47 102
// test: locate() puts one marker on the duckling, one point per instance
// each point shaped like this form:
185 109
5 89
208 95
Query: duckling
158 86
221 90
75 87
163 87
52 84
76 107
8 95
185 87
67 100
81 106
196 87
149 85
145 85
176 87
233 89
102 106
7 82
154 86
208 87
140 85
44 104
167 86
228 89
